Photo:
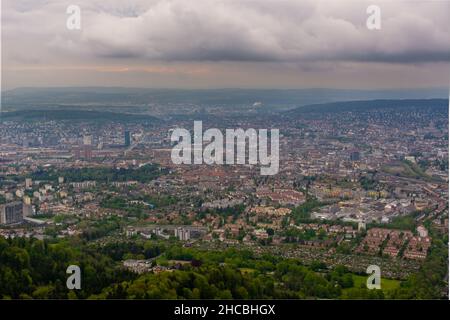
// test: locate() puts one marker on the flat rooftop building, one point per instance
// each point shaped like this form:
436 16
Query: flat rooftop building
11 212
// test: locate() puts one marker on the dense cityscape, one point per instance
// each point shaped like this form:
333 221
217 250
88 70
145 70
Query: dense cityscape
360 183
214 158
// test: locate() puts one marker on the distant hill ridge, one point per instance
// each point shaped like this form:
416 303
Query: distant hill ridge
74 115
368 105
288 98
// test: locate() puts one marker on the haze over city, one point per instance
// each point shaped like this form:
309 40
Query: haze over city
257 150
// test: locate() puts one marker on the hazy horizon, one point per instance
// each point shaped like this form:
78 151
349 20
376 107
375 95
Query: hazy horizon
100 87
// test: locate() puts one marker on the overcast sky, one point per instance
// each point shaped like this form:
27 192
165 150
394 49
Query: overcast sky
226 43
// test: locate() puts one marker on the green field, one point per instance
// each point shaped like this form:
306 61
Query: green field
247 270
386 284
408 169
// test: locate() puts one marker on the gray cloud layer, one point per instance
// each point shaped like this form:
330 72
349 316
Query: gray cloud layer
229 30
226 43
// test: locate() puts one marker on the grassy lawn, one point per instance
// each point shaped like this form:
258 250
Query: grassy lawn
408 169
247 270
386 284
